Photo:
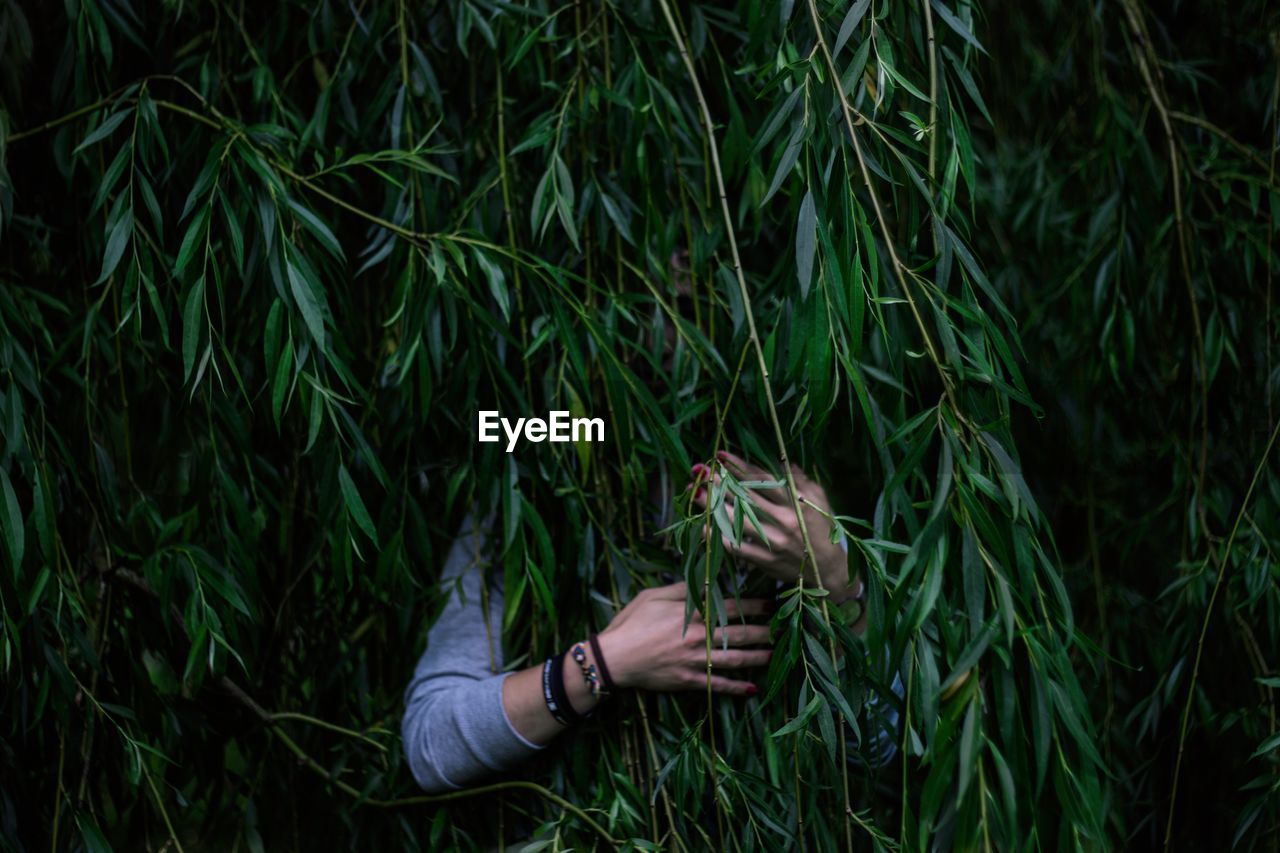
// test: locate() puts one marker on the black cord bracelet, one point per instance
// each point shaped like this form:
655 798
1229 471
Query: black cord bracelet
605 678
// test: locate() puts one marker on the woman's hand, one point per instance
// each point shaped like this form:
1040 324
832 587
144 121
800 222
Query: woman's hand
646 645
782 554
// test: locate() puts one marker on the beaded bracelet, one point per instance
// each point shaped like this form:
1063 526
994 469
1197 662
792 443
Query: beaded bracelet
589 673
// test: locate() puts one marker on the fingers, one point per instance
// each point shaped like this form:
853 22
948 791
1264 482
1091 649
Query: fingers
739 658
740 466
741 635
671 592
771 499
744 470
720 684
752 552
766 529
747 607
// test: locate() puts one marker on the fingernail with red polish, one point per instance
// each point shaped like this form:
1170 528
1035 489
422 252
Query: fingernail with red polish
752 690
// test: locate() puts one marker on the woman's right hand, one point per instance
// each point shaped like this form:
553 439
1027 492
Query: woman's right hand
647 646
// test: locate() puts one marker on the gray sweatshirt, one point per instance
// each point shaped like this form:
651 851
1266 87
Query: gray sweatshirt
455 728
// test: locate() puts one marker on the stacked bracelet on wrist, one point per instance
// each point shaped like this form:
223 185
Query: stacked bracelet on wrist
597 680
605 678
589 674
553 692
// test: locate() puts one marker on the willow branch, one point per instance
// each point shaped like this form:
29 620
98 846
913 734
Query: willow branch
1145 59
808 558
1244 150
933 88
899 269
1204 630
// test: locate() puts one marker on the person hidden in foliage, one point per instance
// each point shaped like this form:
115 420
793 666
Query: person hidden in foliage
467 719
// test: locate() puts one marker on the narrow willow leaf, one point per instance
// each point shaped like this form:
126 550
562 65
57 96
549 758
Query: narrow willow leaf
1268 745
851 20
42 517
497 283
203 184
321 231
152 204
955 23
806 242
305 299
105 129
11 524
234 232
355 505
276 322
192 241
790 155
283 381
193 326
314 419
117 243
778 119
968 750
970 656
799 721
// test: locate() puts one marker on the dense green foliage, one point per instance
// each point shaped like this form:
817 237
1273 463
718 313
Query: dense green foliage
1004 283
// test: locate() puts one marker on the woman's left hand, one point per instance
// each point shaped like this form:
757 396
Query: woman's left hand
782 555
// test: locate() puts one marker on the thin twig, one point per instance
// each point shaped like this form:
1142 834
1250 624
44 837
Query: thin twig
1204 630
1240 147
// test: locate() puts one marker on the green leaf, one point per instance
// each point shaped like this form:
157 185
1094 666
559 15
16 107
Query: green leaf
321 231
314 418
117 243
11 523
851 20
283 381
305 299
193 326
799 721
104 130
355 506
1268 745
191 241
806 242
955 23
970 656
497 283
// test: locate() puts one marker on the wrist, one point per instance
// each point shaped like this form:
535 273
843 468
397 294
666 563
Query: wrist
620 670
837 581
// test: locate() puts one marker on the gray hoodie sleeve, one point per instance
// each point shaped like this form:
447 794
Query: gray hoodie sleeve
455 727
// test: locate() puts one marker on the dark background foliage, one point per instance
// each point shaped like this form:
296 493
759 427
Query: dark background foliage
1012 271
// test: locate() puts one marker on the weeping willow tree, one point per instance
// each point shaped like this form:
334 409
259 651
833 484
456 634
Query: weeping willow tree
262 264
